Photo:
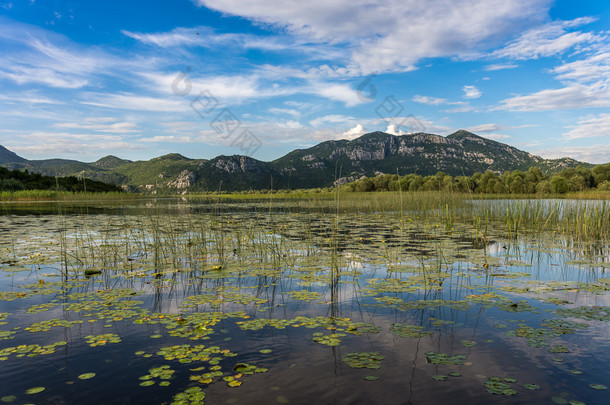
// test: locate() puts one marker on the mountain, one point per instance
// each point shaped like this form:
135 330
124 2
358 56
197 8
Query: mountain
461 153
323 165
6 156
109 162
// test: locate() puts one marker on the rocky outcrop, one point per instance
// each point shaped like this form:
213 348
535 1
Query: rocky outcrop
184 180
237 163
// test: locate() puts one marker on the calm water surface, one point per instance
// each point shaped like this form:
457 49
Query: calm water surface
273 303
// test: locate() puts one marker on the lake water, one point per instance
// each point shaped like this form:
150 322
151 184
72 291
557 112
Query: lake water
175 301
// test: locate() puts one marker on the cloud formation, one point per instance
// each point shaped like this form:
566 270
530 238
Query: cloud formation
471 92
590 127
393 35
354 133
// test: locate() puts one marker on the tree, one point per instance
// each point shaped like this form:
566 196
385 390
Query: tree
544 187
365 184
559 185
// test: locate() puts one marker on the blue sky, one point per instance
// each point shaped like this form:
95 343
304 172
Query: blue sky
138 79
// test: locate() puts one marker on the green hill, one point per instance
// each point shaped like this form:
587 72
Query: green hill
326 164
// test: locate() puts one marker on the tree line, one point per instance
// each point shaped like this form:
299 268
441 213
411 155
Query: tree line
532 181
16 180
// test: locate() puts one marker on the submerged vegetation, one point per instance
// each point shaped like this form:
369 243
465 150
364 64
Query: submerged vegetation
337 298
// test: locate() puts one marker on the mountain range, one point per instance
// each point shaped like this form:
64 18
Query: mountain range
326 164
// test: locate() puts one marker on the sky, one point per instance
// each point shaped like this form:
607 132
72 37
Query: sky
83 79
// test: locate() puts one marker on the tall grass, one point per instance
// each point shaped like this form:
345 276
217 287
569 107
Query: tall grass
51 195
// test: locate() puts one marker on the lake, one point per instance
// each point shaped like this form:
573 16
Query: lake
187 301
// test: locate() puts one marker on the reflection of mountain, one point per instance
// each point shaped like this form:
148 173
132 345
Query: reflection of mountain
461 153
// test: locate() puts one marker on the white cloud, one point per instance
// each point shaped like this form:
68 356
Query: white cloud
486 128
337 92
392 129
586 84
463 106
39 56
471 92
464 109
500 66
67 137
354 133
589 127
573 96
291 124
100 124
78 149
412 124
63 143
495 137
592 69
176 37
597 154
429 100
130 101
28 97
335 119
548 40
170 139
290 111
23 74
395 34
207 38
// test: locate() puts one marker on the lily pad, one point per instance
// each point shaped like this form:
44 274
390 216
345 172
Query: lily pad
86 376
34 390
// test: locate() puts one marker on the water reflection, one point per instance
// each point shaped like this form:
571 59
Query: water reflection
311 286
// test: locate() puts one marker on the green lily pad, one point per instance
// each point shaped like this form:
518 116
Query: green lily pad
532 387
371 377
34 390
86 376
598 386
368 360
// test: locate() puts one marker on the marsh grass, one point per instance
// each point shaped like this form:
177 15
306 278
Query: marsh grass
271 262
50 195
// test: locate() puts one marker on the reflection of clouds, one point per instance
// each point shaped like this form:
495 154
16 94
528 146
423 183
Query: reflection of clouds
406 374
496 248
353 261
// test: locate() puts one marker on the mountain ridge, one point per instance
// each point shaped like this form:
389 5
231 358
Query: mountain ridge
326 164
